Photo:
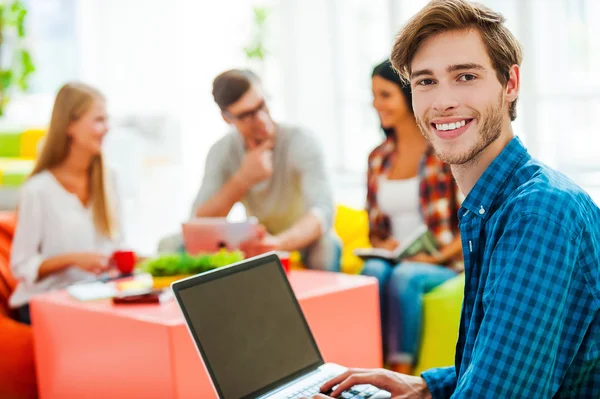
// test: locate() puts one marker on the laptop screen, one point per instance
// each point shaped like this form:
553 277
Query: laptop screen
250 328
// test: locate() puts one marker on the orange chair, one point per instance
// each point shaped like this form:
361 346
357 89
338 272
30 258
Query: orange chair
17 365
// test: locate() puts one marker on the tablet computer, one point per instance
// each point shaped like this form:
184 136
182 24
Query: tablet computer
209 235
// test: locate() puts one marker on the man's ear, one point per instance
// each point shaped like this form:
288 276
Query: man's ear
227 119
514 83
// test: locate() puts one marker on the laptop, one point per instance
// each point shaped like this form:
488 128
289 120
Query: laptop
252 335
209 235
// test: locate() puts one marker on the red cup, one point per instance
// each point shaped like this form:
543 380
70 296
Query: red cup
124 260
284 257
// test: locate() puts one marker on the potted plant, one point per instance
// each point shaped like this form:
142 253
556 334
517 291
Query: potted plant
16 63
256 50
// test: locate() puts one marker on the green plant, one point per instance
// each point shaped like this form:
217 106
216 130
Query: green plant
256 48
173 264
16 63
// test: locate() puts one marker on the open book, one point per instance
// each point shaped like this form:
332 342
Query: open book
421 240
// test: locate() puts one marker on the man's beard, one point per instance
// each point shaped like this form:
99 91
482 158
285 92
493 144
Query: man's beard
489 131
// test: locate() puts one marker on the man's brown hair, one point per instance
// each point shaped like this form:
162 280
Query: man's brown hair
231 85
451 15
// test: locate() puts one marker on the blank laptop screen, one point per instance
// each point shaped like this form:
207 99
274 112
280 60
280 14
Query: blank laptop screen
250 329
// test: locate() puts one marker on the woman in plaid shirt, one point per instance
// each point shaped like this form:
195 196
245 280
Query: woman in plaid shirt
407 186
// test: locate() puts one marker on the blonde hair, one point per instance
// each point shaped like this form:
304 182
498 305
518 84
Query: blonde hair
441 16
72 102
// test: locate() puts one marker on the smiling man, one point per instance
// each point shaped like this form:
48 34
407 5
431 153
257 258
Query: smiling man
277 172
530 325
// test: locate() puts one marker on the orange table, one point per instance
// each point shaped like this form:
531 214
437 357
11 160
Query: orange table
98 350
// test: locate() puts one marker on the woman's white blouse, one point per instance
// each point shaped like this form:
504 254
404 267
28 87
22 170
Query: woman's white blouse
52 221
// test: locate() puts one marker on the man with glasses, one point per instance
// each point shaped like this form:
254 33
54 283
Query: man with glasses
277 172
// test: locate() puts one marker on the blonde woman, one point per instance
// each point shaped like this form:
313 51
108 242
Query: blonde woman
67 224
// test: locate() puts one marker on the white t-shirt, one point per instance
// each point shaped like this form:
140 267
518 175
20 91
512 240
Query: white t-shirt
300 182
399 199
51 222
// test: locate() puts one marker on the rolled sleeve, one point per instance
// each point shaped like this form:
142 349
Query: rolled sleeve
441 382
316 182
25 258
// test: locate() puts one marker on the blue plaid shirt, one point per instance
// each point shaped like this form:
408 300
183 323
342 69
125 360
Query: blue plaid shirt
530 324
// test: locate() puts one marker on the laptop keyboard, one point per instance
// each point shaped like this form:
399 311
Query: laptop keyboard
356 392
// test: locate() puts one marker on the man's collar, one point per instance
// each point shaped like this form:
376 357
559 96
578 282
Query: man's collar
489 186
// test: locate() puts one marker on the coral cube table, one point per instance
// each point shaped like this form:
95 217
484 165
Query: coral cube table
98 350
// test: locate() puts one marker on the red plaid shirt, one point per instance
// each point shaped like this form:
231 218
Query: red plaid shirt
439 196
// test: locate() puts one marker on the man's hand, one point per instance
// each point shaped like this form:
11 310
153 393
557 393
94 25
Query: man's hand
257 164
399 385
263 242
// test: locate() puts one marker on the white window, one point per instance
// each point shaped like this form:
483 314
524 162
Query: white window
567 58
338 42
52 36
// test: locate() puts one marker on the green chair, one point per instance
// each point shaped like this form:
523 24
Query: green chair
441 318
14 171
10 144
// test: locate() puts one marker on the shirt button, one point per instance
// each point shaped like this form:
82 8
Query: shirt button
481 210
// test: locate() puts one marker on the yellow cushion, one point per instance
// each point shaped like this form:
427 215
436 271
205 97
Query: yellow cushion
352 226
29 142
441 318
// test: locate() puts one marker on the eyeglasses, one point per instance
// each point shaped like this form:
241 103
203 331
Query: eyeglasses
249 115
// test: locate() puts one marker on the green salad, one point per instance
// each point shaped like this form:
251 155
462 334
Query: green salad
172 264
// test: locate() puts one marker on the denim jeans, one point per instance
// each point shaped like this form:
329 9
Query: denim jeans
401 290
23 315
324 254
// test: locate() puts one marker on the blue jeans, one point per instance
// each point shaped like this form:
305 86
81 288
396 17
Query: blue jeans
23 314
401 290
